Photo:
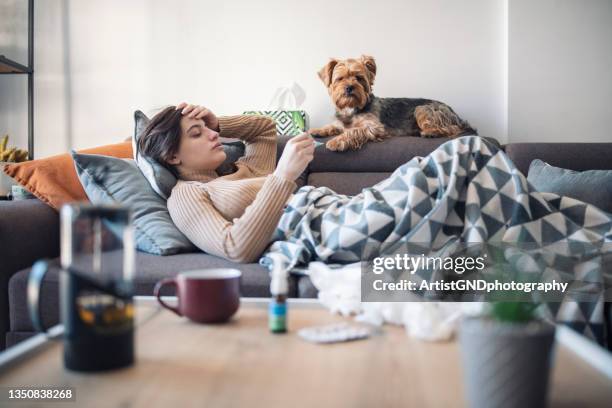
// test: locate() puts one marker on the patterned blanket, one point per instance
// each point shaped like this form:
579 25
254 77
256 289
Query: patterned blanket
467 191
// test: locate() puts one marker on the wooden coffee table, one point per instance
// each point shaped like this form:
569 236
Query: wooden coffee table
240 364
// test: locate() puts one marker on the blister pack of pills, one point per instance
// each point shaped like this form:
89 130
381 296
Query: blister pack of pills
335 333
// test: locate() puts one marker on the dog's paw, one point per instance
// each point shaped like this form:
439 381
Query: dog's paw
429 135
325 131
337 144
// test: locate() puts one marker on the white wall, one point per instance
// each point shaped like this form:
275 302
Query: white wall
539 71
232 55
560 70
13 88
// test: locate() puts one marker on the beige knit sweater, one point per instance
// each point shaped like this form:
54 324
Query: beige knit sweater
234 216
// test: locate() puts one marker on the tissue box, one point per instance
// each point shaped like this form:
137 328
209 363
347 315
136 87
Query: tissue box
288 122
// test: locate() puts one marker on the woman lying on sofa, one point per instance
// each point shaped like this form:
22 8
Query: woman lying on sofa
466 189
232 216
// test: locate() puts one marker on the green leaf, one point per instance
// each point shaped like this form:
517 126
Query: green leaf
513 312
298 120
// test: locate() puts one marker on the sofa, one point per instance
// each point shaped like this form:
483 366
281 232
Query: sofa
29 229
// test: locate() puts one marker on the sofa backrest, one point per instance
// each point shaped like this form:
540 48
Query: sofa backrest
349 172
573 156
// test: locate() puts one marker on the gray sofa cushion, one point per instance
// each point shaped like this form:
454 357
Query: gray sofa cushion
345 183
573 156
305 288
254 282
385 156
591 186
109 180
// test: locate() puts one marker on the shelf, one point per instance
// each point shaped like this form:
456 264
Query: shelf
8 66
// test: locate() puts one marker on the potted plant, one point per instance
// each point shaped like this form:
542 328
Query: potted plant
507 356
9 155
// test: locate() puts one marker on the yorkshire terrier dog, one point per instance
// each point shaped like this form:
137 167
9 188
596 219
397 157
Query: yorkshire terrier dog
363 117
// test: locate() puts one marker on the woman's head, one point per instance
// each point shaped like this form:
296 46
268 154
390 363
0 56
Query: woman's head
182 144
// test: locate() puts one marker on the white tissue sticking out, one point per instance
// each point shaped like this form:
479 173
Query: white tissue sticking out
289 97
340 291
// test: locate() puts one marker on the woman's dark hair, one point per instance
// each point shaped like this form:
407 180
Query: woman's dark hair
161 138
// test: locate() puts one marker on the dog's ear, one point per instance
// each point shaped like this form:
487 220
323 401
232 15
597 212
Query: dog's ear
370 65
326 72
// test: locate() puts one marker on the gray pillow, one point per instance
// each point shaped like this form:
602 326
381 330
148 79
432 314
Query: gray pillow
161 179
591 186
109 180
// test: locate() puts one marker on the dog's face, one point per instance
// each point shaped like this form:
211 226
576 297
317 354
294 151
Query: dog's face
349 82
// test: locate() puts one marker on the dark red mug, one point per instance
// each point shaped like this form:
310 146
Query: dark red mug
204 295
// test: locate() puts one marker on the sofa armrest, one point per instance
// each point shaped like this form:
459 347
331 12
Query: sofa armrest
29 230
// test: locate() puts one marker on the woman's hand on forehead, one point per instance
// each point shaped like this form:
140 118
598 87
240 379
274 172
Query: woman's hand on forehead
199 112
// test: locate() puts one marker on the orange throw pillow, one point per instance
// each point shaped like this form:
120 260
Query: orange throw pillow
54 179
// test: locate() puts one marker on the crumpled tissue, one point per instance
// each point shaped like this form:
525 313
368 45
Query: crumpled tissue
340 292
